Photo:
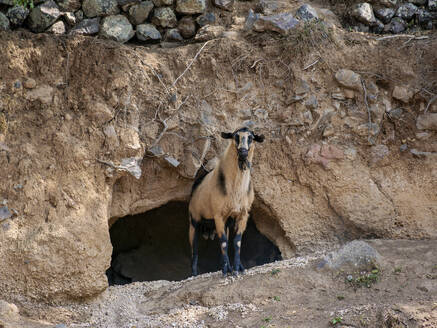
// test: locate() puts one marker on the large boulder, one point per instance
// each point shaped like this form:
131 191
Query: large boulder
93 8
17 15
43 15
117 28
4 22
385 14
282 23
190 7
147 32
164 17
363 12
88 26
138 13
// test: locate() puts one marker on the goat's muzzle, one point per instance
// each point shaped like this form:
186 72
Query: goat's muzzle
243 163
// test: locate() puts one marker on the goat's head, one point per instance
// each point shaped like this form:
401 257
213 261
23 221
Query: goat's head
243 140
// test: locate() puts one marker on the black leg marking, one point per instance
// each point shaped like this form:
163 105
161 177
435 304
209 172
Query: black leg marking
225 259
195 254
222 181
238 267
250 187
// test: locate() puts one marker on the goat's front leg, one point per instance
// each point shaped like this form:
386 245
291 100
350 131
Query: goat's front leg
240 228
194 239
223 239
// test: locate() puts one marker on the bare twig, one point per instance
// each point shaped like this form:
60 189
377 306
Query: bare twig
164 130
413 37
310 65
183 102
430 102
256 62
191 63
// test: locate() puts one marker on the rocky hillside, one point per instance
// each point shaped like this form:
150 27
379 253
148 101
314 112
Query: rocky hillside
92 130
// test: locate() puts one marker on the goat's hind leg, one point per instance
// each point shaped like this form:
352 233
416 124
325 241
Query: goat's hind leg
194 242
223 239
240 228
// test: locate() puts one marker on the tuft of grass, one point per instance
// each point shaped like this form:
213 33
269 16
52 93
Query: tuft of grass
276 298
397 270
340 297
274 272
24 3
366 279
336 320
267 319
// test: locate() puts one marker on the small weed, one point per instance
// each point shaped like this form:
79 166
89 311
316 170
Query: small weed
366 279
267 319
276 298
340 297
274 272
336 320
397 270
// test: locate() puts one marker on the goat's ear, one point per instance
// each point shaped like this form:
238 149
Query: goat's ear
258 137
227 135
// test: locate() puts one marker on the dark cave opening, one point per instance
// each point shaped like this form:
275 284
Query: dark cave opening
154 246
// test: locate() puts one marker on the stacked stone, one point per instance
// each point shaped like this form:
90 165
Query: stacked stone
119 20
391 16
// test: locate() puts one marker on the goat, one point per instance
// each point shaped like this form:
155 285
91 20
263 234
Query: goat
224 192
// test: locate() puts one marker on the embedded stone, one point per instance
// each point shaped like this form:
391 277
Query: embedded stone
4 22
187 27
306 13
93 8
138 13
269 7
70 18
282 23
69 5
396 26
348 79
117 28
147 32
164 17
17 15
43 15
162 3
209 32
403 94
427 121
378 28
173 34
190 7
363 12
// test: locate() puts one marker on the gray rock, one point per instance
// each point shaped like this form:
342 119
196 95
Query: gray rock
79 16
354 256
17 15
117 28
173 34
384 3
396 113
125 4
432 5
419 153
403 147
363 12
384 14
360 27
224 4
306 13
348 79
378 28
423 17
138 13
69 5
378 152
282 23
131 165
190 7
261 113
187 27
162 3
43 15
93 8
172 161
156 150
427 121
7 2
406 11
165 17
397 25
57 28
4 22
312 102
88 26
205 19
5 213
147 32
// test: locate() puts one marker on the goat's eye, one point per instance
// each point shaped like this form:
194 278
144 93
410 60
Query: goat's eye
237 138
250 139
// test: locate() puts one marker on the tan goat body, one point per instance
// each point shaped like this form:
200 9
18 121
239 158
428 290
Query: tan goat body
224 192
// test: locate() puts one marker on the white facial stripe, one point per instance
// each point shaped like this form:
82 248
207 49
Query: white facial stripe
244 141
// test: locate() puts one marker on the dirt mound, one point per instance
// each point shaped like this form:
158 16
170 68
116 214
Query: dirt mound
92 131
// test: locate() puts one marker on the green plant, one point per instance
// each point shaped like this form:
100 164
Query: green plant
340 297
336 320
275 272
267 319
24 3
397 270
276 298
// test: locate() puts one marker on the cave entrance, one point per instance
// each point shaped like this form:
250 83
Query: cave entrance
154 246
